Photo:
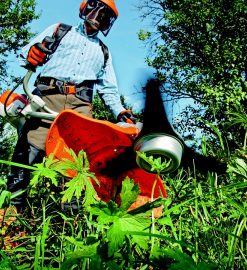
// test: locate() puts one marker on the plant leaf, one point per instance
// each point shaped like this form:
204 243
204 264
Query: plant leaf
129 194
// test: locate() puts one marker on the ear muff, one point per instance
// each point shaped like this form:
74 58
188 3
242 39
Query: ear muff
111 4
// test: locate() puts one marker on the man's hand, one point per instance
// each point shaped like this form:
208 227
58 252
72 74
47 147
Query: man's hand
127 117
37 55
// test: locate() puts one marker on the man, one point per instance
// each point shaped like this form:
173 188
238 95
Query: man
77 66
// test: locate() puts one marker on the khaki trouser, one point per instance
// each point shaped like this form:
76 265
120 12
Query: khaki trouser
38 128
31 142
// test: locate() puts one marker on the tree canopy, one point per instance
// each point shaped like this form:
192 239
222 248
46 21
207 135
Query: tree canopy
199 50
15 15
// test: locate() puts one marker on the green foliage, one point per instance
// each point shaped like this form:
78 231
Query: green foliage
82 179
156 164
118 220
47 169
238 168
144 35
113 224
5 198
181 260
8 139
14 30
76 170
5 195
199 51
203 224
100 111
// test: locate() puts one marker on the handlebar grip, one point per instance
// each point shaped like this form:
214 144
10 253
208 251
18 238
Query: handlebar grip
47 43
30 67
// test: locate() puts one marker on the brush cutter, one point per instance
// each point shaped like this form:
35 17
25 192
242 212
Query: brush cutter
110 148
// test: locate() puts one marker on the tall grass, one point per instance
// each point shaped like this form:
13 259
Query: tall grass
203 224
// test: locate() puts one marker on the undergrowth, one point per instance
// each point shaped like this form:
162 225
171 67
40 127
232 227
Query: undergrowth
66 226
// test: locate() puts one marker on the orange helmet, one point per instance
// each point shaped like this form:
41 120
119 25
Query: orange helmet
101 13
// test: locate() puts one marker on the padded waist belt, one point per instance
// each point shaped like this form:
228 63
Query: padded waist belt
84 90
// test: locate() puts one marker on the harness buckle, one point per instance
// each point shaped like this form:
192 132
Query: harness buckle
66 89
69 89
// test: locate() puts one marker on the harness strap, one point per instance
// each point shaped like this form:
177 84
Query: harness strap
105 52
61 30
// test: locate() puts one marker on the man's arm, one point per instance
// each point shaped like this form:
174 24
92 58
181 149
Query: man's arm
108 89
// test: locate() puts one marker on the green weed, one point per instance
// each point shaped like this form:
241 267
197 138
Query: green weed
203 225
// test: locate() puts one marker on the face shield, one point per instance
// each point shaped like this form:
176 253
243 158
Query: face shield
98 14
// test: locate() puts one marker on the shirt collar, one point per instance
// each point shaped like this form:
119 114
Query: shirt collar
81 29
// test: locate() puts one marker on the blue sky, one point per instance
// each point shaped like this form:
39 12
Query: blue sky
127 51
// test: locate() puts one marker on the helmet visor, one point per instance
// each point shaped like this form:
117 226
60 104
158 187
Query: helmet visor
98 14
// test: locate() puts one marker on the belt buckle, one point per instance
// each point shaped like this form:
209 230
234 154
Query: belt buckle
69 89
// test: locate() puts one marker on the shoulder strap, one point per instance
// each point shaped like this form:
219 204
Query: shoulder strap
61 30
105 52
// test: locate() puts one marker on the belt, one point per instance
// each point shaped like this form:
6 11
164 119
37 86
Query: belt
83 90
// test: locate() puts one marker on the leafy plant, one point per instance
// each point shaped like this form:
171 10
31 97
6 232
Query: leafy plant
156 164
202 226
114 225
81 181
